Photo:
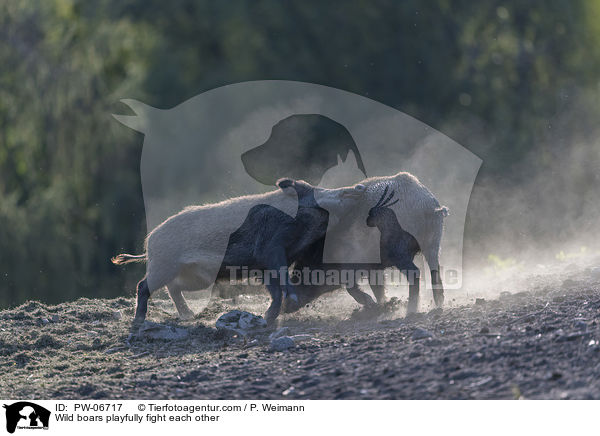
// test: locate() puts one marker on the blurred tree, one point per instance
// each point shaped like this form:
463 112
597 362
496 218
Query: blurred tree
69 192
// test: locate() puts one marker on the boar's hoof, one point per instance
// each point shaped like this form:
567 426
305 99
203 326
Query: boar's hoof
135 325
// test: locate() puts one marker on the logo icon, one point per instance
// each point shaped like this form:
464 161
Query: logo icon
26 415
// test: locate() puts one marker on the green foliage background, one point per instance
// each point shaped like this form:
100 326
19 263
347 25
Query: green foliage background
517 83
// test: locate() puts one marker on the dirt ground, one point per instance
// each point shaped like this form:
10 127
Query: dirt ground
540 342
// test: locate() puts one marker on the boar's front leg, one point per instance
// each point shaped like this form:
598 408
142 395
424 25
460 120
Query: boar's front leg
278 283
361 297
378 292
278 293
276 300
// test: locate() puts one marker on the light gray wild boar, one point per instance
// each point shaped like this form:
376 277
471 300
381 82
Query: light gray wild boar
192 249
410 219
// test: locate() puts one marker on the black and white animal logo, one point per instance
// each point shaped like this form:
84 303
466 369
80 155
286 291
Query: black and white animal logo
26 415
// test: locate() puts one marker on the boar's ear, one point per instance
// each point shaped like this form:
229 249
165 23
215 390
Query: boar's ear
288 183
285 183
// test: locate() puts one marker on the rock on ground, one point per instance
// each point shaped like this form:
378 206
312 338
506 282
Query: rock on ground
282 343
152 330
240 322
420 333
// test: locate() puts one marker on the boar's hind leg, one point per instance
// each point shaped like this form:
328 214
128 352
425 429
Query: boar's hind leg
438 288
141 308
155 279
182 308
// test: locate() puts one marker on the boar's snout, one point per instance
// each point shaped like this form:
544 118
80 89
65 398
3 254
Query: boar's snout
342 198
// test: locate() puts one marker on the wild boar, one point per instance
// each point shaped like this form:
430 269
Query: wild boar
180 253
411 223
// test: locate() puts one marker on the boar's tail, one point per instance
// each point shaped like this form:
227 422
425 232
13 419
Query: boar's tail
124 258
